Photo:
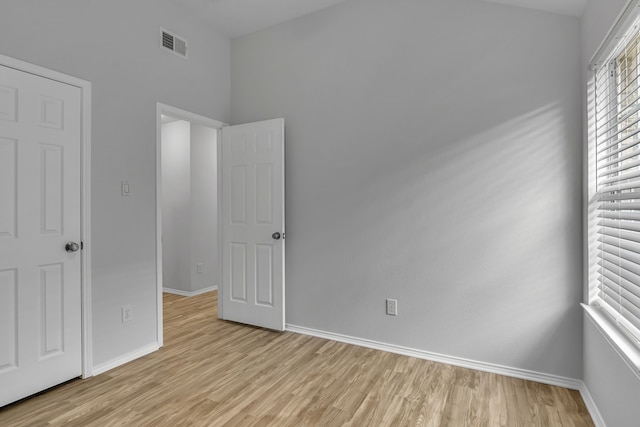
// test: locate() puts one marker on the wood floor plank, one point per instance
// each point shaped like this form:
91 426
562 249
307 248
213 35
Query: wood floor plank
216 373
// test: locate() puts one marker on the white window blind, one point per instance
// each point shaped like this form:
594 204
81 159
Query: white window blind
617 168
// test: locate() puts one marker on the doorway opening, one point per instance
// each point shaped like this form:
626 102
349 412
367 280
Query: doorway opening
188 202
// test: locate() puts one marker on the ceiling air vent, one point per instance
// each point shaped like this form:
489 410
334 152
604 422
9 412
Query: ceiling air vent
174 43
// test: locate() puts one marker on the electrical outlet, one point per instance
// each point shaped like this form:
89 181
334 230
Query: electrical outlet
199 268
392 307
127 315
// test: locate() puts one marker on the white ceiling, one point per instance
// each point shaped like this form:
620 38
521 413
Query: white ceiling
239 17
235 18
563 7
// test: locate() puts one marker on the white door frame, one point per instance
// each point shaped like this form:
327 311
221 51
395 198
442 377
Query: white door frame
202 121
85 190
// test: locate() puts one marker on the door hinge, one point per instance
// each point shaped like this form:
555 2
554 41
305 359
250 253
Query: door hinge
81 245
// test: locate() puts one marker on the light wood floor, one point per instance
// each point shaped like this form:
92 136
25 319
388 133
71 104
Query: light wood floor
214 373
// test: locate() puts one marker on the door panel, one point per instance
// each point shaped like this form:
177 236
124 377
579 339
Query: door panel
51 209
52 317
8 319
40 283
8 189
264 275
8 103
253 210
238 272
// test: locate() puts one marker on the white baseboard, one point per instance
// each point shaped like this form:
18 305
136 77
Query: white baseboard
591 406
540 377
190 294
97 370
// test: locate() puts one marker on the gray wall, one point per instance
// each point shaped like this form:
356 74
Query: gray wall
612 384
176 205
614 387
204 207
115 45
433 156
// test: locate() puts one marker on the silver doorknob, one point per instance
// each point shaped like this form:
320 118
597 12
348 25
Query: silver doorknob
72 247
276 236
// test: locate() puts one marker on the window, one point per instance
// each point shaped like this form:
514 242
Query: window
615 174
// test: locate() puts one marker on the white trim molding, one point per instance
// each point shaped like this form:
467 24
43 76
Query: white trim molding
190 294
540 377
85 189
129 357
626 349
622 24
591 406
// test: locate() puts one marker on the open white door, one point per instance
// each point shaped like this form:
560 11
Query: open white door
40 228
253 224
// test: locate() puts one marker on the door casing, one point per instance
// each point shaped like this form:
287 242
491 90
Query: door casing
202 121
85 196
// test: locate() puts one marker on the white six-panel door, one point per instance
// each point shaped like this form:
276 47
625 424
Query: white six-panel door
253 223
40 282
